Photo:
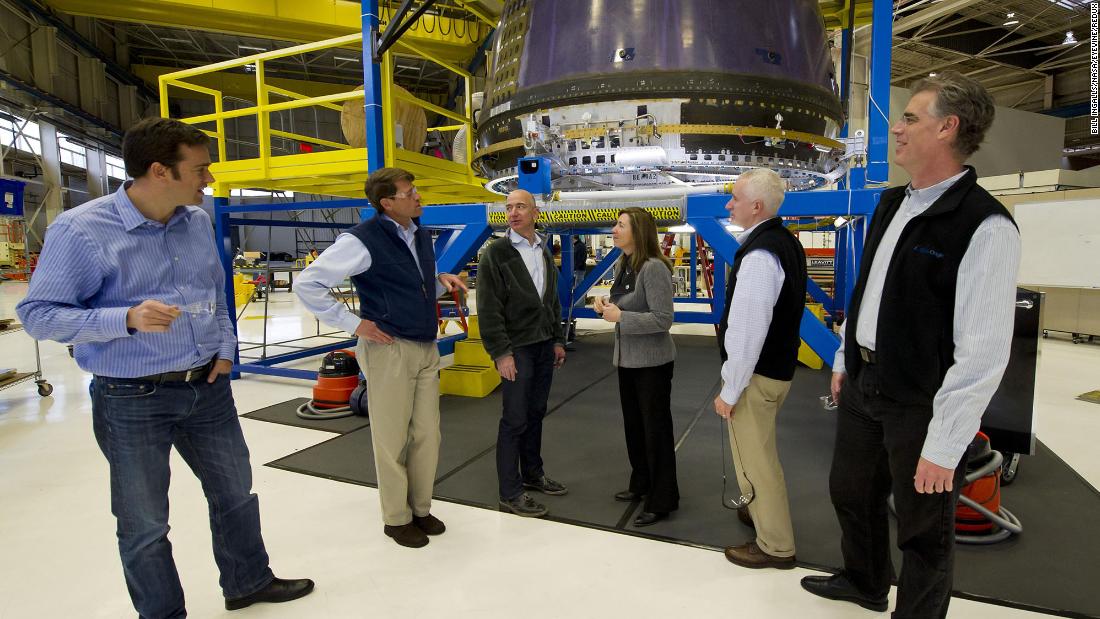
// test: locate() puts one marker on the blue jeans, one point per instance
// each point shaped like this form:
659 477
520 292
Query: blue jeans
519 437
136 424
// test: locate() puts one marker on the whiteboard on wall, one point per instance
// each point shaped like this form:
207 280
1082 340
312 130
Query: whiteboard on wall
1060 243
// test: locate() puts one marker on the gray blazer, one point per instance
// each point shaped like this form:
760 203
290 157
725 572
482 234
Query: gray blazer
641 336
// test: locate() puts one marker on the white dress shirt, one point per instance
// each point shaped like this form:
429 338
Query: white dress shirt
985 302
344 258
759 281
534 258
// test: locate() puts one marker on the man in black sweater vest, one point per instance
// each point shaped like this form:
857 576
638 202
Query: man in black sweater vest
758 340
925 343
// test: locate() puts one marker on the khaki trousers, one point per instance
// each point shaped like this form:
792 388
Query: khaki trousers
403 399
752 439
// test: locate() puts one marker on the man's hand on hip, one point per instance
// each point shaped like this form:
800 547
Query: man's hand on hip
221 366
370 331
506 367
151 316
933 478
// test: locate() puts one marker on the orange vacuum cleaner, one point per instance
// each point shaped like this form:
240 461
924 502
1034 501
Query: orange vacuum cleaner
980 518
337 382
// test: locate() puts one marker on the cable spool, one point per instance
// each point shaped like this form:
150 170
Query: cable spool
410 117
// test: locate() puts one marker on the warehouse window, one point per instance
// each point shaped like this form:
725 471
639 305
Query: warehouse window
116 168
29 141
71 151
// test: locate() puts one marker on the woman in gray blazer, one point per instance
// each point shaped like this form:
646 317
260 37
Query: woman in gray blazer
641 306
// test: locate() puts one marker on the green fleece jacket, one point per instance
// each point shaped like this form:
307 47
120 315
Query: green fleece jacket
510 312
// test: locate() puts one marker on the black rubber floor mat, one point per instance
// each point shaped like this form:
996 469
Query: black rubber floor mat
1052 567
286 414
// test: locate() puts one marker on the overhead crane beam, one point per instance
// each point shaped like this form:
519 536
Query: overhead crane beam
289 20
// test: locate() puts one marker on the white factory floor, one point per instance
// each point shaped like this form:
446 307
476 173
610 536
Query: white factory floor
58 557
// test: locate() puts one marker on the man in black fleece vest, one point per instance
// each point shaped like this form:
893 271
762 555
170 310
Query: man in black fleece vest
925 343
758 340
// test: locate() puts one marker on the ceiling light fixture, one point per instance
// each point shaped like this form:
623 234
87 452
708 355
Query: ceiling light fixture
1070 39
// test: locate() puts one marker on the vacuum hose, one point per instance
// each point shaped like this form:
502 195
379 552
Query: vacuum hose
309 411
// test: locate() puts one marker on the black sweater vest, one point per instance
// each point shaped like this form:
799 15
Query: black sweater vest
780 353
915 345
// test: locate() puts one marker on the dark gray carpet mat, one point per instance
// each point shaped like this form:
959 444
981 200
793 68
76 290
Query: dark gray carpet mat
1052 567
286 414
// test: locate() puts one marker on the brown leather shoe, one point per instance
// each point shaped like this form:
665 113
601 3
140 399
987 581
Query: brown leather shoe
408 535
745 518
429 524
749 555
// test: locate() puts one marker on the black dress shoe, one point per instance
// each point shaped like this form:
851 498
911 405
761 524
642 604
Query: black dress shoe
278 590
838 587
429 524
407 535
627 496
645 519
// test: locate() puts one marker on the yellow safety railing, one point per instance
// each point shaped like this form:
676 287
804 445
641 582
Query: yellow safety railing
264 107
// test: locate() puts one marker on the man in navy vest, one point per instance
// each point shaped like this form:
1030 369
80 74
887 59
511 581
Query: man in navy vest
391 261
925 343
759 339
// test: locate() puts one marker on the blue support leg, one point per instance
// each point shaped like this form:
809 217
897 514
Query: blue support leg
818 337
443 240
222 231
594 276
878 112
461 247
840 271
372 91
694 267
565 276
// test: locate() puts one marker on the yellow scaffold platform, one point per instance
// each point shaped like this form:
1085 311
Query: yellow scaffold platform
334 168
473 374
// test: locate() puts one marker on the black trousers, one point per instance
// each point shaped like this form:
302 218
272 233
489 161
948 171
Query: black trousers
647 419
519 438
878 444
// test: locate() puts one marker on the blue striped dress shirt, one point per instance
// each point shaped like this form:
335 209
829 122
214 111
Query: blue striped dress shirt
104 257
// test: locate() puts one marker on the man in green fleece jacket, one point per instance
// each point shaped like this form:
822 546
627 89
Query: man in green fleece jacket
520 318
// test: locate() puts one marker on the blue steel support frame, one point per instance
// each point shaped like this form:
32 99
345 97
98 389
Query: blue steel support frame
706 213
465 229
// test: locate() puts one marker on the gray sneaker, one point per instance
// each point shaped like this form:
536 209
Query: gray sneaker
546 485
523 505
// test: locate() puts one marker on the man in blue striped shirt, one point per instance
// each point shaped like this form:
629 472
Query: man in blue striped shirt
132 280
